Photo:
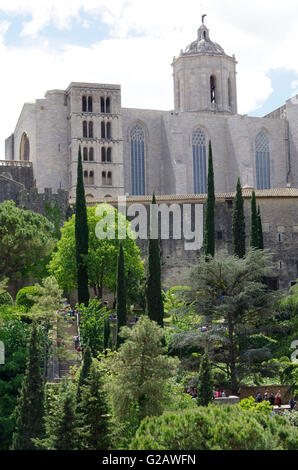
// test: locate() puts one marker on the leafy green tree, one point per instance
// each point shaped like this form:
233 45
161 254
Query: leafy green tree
102 255
238 227
26 241
139 372
254 237
92 321
47 300
15 336
25 297
260 231
154 303
81 236
215 428
205 385
84 372
94 420
30 409
121 296
209 237
229 294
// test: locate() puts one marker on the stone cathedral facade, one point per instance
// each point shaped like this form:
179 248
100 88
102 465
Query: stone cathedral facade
135 152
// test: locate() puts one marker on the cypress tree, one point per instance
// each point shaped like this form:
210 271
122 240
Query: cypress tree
81 235
94 420
85 370
106 333
209 237
260 231
121 295
254 242
238 227
30 407
205 385
65 430
154 299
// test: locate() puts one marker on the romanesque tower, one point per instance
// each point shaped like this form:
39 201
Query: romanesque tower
205 77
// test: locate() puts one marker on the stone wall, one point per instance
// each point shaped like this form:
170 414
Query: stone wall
246 392
21 172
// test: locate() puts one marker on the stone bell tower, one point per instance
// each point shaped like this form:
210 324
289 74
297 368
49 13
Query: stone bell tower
205 77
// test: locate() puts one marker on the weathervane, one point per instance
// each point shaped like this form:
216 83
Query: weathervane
203 18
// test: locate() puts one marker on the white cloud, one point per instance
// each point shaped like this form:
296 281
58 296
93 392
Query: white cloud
144 37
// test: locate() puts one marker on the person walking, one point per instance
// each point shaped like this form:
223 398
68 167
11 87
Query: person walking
259 398
272 400
278 399
292 404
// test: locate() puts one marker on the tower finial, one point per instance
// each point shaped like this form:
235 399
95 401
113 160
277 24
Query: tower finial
203 18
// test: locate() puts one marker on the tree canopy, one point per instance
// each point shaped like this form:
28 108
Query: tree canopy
102 256
26 240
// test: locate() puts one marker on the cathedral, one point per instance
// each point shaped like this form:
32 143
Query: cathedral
135 152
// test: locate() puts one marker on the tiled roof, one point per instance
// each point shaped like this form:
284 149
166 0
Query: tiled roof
267 193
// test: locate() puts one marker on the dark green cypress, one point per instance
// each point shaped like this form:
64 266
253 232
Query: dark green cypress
94 419
205 385
154 298
65 431
121 295
209 237
260 231
85 370
30 407
254 242
82 235
238 227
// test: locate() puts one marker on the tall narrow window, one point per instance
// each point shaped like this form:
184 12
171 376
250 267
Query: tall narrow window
109 155
230 93
91 178
86 181
102 105
85 129
84 104
90 104
199 162
137 143
103 130
90 130
213 89
91 154
108 105
85 154
109 130
263 161
103 155
104 178
25 148
109 178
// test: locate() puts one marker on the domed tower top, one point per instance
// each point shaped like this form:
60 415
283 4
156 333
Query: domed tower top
205 76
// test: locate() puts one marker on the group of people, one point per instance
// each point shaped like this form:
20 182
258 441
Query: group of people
219 394
274 400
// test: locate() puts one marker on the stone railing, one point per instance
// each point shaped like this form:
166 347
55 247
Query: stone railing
15 163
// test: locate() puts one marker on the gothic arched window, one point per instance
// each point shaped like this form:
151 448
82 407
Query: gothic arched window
137 142
213 89
199 162
25 148
262 161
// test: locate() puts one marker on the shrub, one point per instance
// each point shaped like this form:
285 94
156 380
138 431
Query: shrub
6 299
23 297
215 428
251 404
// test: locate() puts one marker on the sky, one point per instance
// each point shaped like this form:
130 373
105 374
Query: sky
47 44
